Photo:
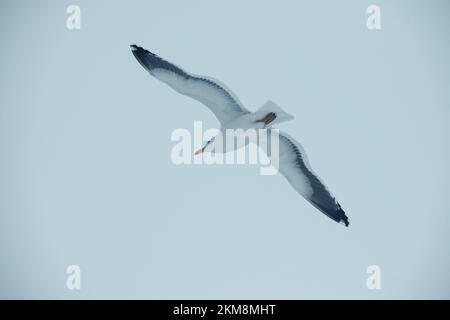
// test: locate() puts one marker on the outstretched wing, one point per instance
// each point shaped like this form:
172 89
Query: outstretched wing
294 165
221 101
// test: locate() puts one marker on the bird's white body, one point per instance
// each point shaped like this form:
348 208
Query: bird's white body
248 124
241 125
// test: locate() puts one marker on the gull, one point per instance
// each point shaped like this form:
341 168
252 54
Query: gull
293 163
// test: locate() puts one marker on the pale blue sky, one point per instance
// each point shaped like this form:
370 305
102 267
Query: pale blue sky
86 176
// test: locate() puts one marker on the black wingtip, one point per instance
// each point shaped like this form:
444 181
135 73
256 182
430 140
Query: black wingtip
345 220
146 59
336 213
135 47
342 217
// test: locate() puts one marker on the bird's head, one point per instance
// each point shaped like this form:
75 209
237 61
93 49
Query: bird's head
208 147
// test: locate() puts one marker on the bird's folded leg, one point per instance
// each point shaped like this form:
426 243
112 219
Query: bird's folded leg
268 118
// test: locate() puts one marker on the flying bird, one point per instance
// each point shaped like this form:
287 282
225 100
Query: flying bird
293 163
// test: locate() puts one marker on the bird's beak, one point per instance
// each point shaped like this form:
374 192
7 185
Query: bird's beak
199 151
